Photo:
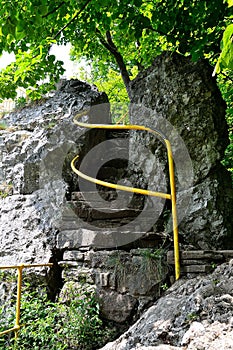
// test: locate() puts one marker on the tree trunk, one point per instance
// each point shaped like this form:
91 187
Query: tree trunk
111 47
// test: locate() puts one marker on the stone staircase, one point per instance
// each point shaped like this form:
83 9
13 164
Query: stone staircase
95 220
104 243
106 218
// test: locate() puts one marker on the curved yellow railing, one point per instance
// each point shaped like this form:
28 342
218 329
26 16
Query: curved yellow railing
171 196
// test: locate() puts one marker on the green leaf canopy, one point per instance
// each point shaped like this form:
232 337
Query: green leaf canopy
118 35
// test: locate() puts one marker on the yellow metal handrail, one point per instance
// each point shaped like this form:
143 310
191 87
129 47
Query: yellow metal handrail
19 268
171 196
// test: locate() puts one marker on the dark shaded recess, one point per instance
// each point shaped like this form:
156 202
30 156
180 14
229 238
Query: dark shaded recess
54 277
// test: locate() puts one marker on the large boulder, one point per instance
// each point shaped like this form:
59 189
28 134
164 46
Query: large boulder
181 98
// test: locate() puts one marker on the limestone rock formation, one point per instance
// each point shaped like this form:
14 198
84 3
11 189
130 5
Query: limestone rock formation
33 150
192 314
181 98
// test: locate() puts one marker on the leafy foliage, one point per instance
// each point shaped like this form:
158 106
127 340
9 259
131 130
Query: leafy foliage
226 87
225 59
112 84
74 324
29 69
116 36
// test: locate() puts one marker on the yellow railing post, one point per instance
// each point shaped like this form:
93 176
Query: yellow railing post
174 211
18 302
19 268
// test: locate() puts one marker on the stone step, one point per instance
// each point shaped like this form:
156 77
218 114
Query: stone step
110 198
101 213
112 172
196 269
106 218
72 222
187 257
104 206
113 134
199 261
86 238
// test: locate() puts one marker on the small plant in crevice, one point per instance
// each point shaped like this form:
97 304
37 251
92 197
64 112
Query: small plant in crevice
5 189
118 263
153 259
213 265
192 316
7 276
164 286
71 324
152 253
50 125
215 282
5 127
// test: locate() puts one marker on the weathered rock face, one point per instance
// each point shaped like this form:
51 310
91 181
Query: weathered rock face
32 155
181 99
193 314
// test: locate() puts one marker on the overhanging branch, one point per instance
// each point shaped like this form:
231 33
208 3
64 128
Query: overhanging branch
72 19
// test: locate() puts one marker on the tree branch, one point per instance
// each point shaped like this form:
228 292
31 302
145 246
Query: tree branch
54 10
111 47
72 19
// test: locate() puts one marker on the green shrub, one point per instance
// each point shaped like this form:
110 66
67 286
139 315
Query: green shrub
20 103
71 324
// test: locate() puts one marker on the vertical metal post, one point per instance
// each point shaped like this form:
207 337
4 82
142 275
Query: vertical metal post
174 211
19 268
18 302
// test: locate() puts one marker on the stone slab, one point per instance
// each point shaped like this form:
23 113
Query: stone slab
197 269
187 256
